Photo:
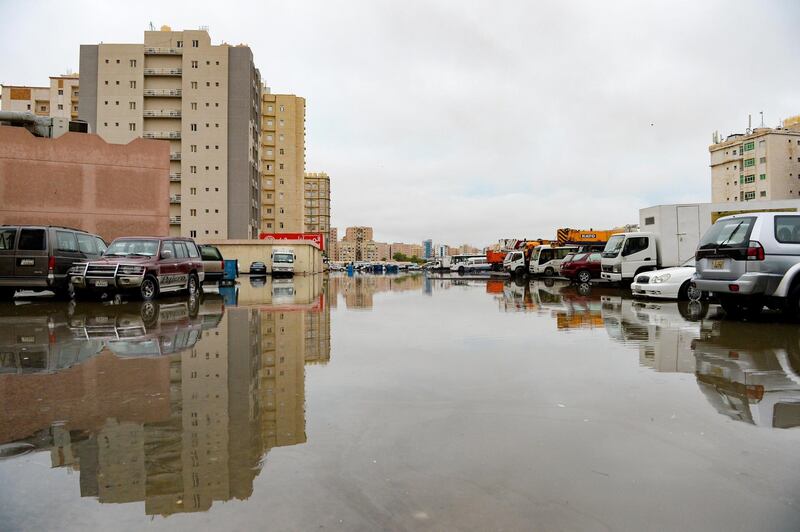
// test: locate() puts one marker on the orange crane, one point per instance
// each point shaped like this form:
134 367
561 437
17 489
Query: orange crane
565 235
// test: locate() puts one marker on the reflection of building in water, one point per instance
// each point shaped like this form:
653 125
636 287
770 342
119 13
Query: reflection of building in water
660 330
177 431
359 289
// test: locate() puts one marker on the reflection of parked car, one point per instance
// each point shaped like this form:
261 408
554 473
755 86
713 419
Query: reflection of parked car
213 263
39 258
669 283
752 260
581 267
751 372
146 266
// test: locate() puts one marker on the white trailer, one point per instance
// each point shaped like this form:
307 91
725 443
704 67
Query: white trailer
672 233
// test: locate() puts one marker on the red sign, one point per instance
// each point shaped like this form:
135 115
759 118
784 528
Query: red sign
317 238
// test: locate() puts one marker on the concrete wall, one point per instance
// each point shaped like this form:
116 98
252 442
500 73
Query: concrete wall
79 180
308 256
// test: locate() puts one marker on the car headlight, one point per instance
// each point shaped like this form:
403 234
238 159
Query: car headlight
660 278
77 269
616 268
129 269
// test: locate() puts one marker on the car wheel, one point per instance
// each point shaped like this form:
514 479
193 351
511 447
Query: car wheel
149 313
792 308
737 308
584 276
460 270
693 293
519 271
148 290
66 292
193 286
549 272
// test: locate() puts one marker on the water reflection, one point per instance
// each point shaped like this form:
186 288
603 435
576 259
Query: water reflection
174 403
358 290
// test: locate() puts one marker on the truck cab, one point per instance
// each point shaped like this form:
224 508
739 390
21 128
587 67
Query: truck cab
516 262
282 262
628 254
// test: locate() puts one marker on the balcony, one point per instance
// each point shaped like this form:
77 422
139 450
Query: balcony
161 134
161 113
175 220
155 50
175 177
167 93
175 199
163 71
175 156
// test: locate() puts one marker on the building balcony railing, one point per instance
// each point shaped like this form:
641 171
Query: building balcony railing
175 177
167 93
155 50
175 198
175 220
156 113
175 156
161 134
163 71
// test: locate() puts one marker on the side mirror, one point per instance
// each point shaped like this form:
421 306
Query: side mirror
166 254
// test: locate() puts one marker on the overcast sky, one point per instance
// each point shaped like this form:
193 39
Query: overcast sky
472 121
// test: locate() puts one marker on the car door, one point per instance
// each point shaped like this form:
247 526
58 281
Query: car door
65 251
183 265
167 267
8 238
30 260
637 253
87 246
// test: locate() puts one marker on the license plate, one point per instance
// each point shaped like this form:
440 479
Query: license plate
27 339
26 262
101 283
718 264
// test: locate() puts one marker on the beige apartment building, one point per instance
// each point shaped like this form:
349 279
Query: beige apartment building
763 164
59 100
283 162
333 244
204 100
409 250
317 204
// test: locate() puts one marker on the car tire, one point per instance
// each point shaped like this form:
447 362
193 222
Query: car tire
193 285
738 308
519 272
792 306
66 292
460 270
549 272
149 312
584 276
148 290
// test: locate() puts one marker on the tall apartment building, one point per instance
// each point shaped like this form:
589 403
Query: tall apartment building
333 244
383 251
204 100
763 164
59 100
317 204
283 162
362 239
427 249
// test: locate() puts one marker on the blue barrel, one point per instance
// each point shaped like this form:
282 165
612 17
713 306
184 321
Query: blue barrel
231 271
350 270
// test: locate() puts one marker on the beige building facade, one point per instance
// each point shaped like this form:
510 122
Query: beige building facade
333 244
317 203
283 162
761 165
58 100
204 100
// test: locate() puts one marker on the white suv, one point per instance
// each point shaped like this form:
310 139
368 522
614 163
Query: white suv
752 260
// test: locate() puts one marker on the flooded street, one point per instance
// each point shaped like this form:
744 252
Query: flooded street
394 403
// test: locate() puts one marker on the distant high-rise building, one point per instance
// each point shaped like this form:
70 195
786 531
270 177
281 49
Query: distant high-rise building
762 165
333 244
427 249
59 100
283 162
204 100
362 239
317 204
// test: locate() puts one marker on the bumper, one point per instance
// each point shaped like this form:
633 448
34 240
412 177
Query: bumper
611 277
121 282
283 270
658 290
749 283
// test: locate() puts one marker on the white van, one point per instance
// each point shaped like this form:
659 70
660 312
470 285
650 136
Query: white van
282 261
546 260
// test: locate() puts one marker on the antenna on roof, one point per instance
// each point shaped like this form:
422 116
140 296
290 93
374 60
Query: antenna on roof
152 26
749 124
762 118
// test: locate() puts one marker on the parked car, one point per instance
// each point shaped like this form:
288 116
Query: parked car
669 283
147 266
472 264
39 258
752 260
546 259
283 261
258 268
213 263
581 267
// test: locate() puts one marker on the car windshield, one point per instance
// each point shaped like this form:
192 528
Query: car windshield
122 248
578 257
728 233
283 257
568 258
614 246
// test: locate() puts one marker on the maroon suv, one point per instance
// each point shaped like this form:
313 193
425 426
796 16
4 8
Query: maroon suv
582 267
146 266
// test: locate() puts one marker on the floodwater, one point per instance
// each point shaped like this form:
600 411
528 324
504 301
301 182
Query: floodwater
396 403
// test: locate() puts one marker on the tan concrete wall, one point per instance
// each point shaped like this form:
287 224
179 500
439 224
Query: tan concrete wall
308 257
79 180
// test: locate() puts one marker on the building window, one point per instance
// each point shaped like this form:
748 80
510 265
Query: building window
179 44
131 126
132 62
117 82
193 148
282 108
208 83
194 84
280 181
193 169
193 191
61 92
269 108
117 61
764 159
194 106
749 178
195 43
194 64
106 61
116 103
217 62
280 151
193 127
280 166
749 195
192 212
749 162
762 177
132 84
60 106
280 137
748 146
216 83
763 194
131 105
281 225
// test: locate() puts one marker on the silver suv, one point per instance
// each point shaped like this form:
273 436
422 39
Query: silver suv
750 261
